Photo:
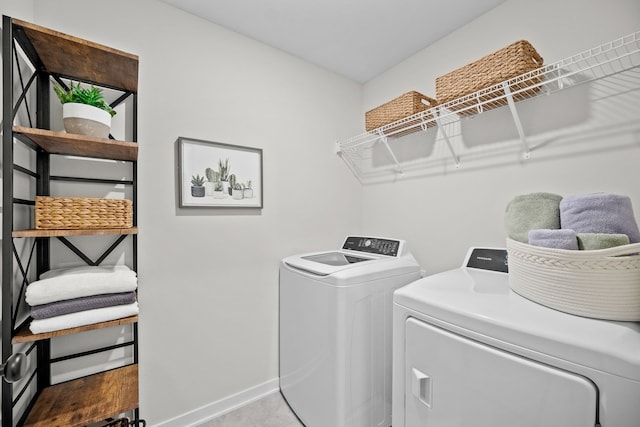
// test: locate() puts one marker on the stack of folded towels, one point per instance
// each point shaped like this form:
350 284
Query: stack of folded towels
79 296
577 222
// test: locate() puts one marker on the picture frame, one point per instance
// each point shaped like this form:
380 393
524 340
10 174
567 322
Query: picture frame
218 175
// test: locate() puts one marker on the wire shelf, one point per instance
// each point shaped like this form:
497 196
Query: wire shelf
615 65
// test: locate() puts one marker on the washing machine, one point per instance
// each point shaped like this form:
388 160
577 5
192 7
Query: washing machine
468 351
335 331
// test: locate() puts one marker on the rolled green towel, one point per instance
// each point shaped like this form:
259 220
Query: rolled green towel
532 212
594 241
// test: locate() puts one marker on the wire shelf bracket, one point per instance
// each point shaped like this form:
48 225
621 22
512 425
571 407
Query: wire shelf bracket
385 142
516 120
437 113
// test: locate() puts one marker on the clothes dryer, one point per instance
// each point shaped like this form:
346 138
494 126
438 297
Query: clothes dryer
468 351
335 331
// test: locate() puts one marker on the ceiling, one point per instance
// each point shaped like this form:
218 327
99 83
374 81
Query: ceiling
358 39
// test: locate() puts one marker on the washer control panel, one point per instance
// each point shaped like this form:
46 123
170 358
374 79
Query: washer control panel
372 245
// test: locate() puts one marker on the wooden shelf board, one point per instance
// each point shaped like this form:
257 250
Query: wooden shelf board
86 400
25 335
74 232
80 145
108 67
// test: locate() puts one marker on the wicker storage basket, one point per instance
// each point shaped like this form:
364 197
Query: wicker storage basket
511 61
403 106
82 212
604 284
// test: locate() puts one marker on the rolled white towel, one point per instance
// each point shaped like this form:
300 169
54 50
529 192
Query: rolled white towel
83 318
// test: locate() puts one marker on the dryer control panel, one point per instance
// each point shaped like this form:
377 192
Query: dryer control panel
372 245
491 259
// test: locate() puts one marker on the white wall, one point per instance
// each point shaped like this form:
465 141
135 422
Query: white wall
21 9
208 278
449 210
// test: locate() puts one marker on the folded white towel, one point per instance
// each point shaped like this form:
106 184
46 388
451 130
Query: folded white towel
77 282
82 318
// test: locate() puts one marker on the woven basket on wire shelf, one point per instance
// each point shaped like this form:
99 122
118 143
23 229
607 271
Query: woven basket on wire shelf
509 62
82 213
405 105
603 284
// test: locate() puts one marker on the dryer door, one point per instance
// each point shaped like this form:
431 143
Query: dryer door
452 381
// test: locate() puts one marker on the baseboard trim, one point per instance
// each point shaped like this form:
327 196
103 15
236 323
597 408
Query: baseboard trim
221 407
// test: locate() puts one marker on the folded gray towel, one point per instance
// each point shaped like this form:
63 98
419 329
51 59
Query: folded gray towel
75 305
594 241
599 213
558 239
532 212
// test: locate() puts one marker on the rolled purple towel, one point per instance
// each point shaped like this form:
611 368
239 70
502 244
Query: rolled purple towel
558 239
599 213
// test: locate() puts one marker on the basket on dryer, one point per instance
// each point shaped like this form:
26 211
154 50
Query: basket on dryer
603 284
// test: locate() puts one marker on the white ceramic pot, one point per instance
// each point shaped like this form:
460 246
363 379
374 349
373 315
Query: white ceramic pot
86 119
237 194
208 188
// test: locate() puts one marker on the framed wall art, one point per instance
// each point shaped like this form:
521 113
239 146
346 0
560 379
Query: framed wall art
217 175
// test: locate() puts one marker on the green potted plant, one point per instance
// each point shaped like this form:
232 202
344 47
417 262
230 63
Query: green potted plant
218 192
248 190
237 192
197 186
212 178
223 170
84 111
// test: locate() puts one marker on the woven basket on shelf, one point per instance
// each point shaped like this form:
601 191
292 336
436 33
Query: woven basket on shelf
511 61
603 284
82 212
403 106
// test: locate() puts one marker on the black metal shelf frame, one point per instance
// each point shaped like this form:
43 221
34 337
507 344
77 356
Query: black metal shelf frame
39 251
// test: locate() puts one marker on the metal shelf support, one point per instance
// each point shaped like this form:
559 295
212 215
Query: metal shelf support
516 120
437 113
385 142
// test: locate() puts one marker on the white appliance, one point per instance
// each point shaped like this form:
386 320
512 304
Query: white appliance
335 331
470 352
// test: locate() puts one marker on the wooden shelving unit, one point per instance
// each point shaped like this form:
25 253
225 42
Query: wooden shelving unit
74 232
54 55
86 400
25 335
82 59
78 145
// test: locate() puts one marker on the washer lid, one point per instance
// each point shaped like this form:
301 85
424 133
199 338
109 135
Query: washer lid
335 258
482 302
345 268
